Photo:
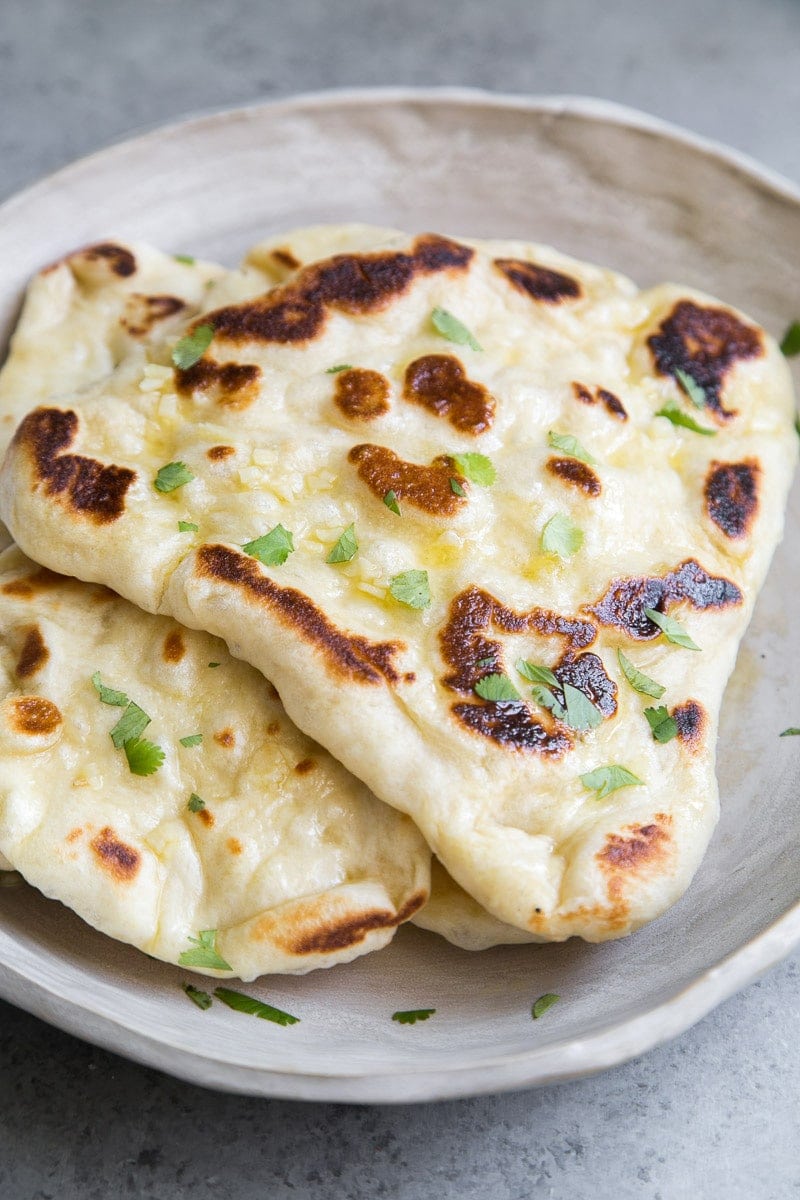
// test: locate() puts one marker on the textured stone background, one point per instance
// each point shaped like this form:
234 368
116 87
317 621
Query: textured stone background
715 1114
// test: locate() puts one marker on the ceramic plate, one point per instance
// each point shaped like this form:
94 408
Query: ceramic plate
602 183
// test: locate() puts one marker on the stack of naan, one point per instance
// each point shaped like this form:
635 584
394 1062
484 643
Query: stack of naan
491 521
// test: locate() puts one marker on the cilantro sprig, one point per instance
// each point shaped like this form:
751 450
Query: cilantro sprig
411 588
171 477
411 1016
677 416
605 780
672 630
664 727
144 758
454 330
476 467
108 695
197 996
346 547
561 536
691 387
390 500
638 680
545 1002
242 1003
790 343
196 803
191 739
273 548
496 688
191 348
570 446
204 953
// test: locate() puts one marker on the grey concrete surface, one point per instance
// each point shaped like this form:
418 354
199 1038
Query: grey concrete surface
715 1114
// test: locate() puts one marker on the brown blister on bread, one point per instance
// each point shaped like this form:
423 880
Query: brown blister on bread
472 655
34 653
305 766
348 656
636 853
317 928
220 453
174 646
225 738
439 383
33 715
285 258
92 264
612 404
575 474
625 600
232 385
731 496
28 586
692 721
85 486
355 284
142 312
705 343
542 284
360 394
121 862
426 488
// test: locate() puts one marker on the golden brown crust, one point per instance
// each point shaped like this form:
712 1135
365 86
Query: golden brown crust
428 488
312 933
625 600
121 862
85 486
174 646
612 404
576 474
232 385
706 343
731 496
347 655
361 395
540 283
692 721
439 383
142 313
34 716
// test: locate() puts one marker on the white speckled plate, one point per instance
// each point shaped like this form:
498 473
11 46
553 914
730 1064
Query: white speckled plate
602 183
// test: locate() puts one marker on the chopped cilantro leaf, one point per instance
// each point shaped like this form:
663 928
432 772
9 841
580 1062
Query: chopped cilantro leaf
542 695
496 688
390 500
339 367
544 1002
790 343
671 629
792 731
213 664
131 724
254 1008
691 387
198 997
476 467
187 527
144 758
537 674
561 536
664 727
193 739
678 417
191 348
605 780
174 475
456 488
581 713
570 446
273 548
451 328
412 1015
187 259
411 588
638 680
109 695
346 547
196 803
204 953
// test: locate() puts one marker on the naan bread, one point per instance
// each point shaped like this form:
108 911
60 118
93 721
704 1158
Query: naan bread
292 862
290 858
671 521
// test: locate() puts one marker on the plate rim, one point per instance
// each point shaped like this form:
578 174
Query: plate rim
541 1065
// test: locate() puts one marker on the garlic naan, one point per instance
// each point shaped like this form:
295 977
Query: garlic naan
602 512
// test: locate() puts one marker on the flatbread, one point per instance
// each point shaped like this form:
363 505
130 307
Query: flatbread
671 521
290 859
